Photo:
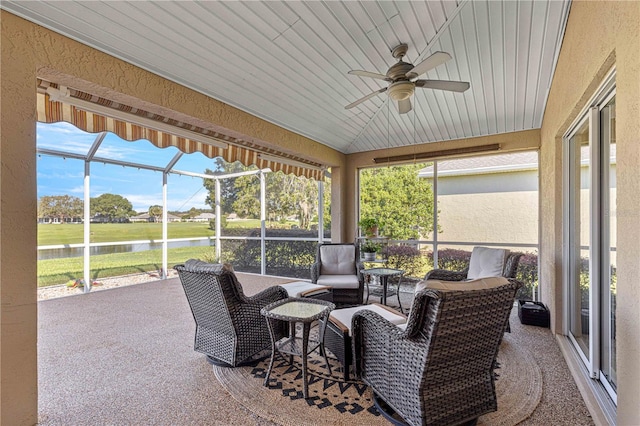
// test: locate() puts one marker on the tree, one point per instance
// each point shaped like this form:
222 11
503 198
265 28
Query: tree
401 200
228 192
155 212
60 206
114 207
286 195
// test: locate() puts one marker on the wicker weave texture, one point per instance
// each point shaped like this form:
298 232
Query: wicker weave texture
439 371
509 270
229 326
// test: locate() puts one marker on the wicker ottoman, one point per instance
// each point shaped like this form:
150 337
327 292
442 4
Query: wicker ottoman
337 337
308 290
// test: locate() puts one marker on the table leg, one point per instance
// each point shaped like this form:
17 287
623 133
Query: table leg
292 336
305 346
398 293
273 352
384 281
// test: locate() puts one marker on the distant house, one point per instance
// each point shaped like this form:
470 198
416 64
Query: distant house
146 217
232 216
202 217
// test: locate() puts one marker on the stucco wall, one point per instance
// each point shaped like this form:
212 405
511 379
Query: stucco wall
598 36
28 52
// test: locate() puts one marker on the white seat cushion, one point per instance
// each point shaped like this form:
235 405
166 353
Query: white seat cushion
486 262
338 259
303 289
344 316
339 281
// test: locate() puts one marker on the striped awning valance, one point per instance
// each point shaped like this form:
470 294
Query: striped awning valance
50 111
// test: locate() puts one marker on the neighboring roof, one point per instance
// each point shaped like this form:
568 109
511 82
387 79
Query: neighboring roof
500 163
205 216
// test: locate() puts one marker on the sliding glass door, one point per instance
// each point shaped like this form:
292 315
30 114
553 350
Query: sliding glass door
590 236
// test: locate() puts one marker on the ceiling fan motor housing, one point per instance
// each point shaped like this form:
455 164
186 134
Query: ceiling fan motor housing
401 90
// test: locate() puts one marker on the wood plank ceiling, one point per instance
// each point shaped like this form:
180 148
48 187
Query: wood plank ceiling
287 62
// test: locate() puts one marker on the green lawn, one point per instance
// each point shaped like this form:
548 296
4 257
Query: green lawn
105 232
59 271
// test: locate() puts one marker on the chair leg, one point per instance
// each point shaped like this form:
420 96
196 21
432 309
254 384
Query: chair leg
387 412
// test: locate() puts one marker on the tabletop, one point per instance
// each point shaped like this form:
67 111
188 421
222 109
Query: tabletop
298 309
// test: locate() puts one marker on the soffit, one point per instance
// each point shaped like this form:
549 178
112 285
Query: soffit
287 62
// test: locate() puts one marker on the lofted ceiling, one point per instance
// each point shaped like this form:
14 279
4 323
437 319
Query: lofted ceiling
287 61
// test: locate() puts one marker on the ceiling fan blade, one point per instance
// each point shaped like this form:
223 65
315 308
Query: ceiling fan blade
404 106
431 62
369 96
452 86
369 74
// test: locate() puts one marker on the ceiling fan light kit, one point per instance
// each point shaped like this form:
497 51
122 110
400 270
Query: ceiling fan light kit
402 76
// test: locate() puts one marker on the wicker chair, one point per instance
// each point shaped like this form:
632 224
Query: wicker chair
339 266
439 370
229 327
510 266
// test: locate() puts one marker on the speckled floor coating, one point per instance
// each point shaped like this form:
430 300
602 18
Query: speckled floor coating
125 357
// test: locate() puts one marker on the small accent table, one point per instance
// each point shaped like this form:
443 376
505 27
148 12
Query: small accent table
294 310
383 274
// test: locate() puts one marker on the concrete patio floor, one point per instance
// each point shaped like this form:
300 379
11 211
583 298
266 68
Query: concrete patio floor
125 356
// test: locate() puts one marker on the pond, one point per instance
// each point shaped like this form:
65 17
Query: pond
121 248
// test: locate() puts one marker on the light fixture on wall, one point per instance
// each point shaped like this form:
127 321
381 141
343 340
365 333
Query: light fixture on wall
284 160
64 96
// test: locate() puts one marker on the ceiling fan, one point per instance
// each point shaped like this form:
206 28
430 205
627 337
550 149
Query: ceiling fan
402 77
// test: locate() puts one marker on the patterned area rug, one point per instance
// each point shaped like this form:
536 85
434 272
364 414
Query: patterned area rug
332 401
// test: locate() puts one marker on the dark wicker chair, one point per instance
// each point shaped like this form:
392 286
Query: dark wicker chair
229 327
440 370
339 266
509 270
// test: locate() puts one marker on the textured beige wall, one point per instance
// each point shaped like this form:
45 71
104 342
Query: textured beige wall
28 52
509 142
598 36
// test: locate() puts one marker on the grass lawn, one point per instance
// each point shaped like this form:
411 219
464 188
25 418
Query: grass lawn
59 271
67 233
105 232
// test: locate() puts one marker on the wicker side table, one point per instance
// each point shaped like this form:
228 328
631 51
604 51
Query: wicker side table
297 310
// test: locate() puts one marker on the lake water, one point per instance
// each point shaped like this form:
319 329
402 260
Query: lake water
124 248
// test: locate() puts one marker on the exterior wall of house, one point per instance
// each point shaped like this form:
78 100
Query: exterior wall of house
599 35
29 51
492 208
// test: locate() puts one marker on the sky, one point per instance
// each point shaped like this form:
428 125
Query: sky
143 188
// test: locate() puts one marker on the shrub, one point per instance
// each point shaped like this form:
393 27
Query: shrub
404 257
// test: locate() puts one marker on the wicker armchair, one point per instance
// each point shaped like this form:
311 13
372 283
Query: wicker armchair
229 327
509 268
339 266
439 371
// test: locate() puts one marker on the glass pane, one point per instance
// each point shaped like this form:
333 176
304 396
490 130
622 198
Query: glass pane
400 199
608 126
581 237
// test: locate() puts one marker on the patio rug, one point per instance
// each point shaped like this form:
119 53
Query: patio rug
336 402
